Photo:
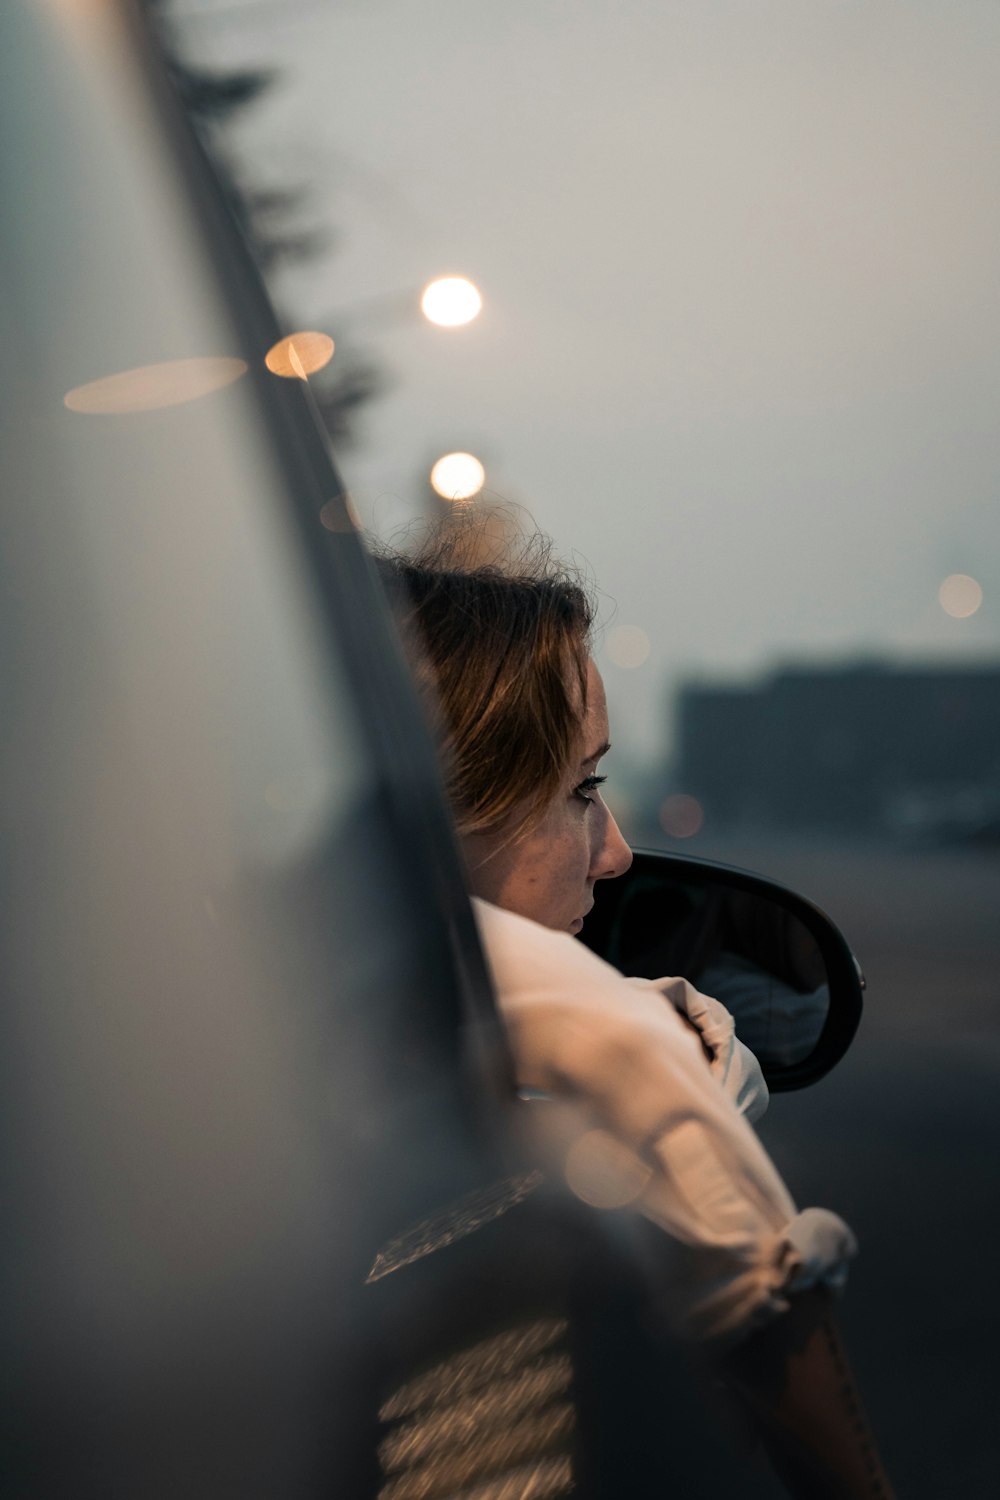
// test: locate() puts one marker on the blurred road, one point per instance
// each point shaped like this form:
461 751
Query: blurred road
903 1138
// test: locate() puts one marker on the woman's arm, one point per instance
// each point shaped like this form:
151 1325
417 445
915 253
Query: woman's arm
736 1254
795 1379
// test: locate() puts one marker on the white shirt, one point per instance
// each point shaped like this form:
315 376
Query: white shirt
578 1029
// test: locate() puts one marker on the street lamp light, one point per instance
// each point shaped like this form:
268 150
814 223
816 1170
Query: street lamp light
450 301
457 476
300 355
447 301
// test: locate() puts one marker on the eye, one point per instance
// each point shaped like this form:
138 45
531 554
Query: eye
587 785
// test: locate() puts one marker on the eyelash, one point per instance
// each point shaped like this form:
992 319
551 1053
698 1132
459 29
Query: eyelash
588 784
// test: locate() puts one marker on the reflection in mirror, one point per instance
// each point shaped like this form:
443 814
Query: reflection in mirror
741 946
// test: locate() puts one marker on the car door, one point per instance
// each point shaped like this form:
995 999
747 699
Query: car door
243 1000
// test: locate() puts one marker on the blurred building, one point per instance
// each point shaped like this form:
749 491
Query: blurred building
865 747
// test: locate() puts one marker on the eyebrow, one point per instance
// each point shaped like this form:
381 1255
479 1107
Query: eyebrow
596 754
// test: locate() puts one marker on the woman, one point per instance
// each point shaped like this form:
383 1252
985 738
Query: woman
503 656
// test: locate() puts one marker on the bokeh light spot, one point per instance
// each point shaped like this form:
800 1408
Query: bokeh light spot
458 476
628 646
960 596
172 382
450 301
300 355
681 816
340 514
603 1172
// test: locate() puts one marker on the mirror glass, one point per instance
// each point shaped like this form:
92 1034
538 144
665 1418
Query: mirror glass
743 947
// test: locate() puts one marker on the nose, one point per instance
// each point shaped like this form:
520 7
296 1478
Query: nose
613 856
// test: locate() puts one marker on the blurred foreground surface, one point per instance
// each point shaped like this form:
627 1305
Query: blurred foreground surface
902 1140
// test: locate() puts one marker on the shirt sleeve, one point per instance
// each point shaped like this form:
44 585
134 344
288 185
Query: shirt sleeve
579 1030
734 1066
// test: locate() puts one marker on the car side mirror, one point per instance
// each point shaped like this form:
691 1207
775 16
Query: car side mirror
777 962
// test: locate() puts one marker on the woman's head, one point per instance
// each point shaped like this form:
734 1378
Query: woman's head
505 653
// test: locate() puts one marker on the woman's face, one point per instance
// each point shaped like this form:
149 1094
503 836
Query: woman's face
549 873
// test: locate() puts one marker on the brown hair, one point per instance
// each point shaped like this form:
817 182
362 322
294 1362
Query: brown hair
502 649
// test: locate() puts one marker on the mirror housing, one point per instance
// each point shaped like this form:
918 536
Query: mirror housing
776 961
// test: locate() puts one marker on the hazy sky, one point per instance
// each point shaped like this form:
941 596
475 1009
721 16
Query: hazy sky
740 348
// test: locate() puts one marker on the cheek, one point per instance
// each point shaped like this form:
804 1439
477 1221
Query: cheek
568 857
545 877
547 864
554 862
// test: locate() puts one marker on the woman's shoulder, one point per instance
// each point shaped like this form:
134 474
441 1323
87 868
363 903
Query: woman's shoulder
524 955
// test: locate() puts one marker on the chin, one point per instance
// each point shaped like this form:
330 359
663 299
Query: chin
575 926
